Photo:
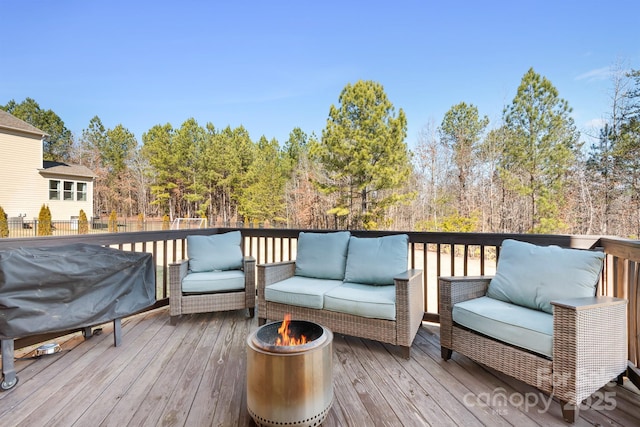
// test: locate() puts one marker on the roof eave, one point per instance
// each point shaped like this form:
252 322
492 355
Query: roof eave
30 132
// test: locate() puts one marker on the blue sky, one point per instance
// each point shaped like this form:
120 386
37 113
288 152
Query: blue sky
275 65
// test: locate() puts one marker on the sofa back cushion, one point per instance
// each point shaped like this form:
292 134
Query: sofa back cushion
532 276
322 255
376 260
215 252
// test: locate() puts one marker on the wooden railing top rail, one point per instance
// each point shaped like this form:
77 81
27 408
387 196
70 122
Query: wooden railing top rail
471 239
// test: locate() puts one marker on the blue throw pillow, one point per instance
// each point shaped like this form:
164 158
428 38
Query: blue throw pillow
322 255
532 276
377 260
215 252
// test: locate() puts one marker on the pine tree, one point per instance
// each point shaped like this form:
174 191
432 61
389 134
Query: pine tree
44 221
540 151
83 223
113 222
4 225
365 156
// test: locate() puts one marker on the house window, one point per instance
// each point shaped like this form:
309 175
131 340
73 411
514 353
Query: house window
54 190
68 190
81 195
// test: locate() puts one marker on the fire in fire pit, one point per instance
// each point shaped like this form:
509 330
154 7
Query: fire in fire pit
290 373
285 337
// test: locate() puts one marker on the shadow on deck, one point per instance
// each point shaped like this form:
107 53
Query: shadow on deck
193 374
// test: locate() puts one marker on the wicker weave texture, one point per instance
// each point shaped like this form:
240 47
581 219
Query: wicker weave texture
589 349
512 361
589 343
402 331
187 304
452 291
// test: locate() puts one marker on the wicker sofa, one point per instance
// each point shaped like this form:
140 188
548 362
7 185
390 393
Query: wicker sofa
539 321
353 286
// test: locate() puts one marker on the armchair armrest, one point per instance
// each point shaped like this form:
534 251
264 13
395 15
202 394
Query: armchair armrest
177 272
268 274
409 305
275 272
452 291
457 289
249 268
589 345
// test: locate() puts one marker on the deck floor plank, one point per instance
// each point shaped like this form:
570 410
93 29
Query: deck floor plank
227 377
46 368
194 373
109 384
125 408
66 380
443 390
476 379
180 402
129 377
365 386
152 404
411 403
345 397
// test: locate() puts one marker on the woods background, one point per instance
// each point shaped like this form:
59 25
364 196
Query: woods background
531 172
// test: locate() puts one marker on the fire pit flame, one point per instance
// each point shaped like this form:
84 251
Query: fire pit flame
284 335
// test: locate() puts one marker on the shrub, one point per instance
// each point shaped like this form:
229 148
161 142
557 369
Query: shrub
44 221
83 223
113 222
165 222
140 222
4 224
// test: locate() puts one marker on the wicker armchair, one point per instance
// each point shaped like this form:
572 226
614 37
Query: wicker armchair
182 303
215 277
589 344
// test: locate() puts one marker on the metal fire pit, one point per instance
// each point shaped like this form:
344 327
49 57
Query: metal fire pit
290 385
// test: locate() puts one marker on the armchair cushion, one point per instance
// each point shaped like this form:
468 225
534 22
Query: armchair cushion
300 291
216 252
377 302
510 323
322 255
532 276
376 260
213 281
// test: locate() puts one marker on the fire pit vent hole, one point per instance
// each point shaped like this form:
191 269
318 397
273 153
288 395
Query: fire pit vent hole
313 421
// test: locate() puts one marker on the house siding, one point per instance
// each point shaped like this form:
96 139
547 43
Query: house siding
63 210
24 184
21 190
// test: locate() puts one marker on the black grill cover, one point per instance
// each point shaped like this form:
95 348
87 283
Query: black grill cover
74 286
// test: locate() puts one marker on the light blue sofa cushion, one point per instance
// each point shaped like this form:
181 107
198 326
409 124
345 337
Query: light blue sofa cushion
322 255
215 252
533 276
301 291
376 260
377 302
510 323
213 281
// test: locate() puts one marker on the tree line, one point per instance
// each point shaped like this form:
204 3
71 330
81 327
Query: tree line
530 173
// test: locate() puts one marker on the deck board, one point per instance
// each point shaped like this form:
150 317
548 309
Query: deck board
194 374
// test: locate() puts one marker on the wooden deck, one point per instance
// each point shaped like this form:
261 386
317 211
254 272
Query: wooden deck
193 374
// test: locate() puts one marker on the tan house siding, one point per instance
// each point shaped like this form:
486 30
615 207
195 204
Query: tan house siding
24 177
65 209
21 186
